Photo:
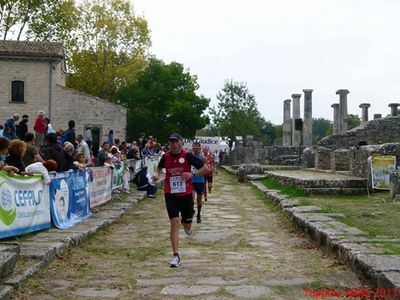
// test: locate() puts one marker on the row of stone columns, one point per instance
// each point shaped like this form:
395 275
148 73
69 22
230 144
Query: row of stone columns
291 136
340 114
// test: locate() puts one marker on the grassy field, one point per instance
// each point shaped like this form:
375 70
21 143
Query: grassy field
376 214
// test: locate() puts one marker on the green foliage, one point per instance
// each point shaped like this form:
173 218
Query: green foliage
289 191
353 121
44 20
236 113
109 49
321 127
163 100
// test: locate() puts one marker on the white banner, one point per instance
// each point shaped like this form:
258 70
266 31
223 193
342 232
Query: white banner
152 163
213 142
100 185
24 204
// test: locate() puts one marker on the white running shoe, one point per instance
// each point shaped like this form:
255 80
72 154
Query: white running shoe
175 262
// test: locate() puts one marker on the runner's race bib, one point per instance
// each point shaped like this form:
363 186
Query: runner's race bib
177 184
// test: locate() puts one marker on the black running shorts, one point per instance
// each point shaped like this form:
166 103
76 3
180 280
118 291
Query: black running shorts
209 179
183 205
198 187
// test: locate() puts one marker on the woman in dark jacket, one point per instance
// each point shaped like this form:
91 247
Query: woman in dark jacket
52 150
16 151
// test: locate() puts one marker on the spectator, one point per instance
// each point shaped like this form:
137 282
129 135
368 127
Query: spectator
95 148
79 160
89 136
22 128
50 128
31 154
111 137
83 147
133 152
70 133
43 168
16 151
115 155
10 128
52 150
69 148
103 154
40 129
4 143
145 183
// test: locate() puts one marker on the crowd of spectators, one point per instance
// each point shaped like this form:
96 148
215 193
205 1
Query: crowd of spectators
53 150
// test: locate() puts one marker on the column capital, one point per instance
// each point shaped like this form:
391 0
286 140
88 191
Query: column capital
335 105
394 104
308 90
287 100
342 92
364 105
294 96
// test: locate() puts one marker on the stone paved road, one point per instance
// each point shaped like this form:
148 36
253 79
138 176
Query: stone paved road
243 249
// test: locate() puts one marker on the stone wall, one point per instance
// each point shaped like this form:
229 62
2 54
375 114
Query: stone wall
374 132
340 160
323 158
359 156
88 110
36 77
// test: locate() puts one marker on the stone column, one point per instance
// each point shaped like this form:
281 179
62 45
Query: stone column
364 112
296 134
336 117
393 109
287 124
377 116
342 109
307 124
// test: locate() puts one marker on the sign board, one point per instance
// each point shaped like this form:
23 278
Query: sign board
381 169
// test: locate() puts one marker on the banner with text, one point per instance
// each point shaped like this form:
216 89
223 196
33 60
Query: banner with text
100 185
117 173
69 198
24 205
213 142
152 163
381 169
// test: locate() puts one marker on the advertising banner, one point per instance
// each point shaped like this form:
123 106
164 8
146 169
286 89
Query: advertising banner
24 205
152 164
381 169
100 185
117 173
69 198
213 142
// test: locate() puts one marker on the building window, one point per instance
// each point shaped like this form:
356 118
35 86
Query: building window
17 91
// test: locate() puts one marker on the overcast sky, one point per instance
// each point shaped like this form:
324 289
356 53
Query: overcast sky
280 47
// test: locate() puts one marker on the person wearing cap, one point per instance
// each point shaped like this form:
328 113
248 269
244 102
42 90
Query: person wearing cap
10 127
178 189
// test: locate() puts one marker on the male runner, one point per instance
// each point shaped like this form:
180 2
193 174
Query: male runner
178 189
209 161
198 181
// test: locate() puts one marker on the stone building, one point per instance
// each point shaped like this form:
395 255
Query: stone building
33 77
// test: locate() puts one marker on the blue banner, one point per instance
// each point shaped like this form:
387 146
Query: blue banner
69 198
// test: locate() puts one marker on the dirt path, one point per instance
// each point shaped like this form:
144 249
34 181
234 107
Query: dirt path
243 249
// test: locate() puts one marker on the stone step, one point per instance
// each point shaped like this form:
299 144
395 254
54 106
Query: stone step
9 253
335 191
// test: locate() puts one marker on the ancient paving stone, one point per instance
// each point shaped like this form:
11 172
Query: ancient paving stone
212 236
186 290
250 291
160 281
97 293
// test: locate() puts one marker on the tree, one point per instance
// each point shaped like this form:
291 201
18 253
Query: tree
163 100
320 128
43 20
110 47
236 113
353 121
